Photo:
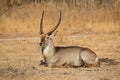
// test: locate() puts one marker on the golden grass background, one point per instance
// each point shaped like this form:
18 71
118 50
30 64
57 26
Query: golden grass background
92 27
26 18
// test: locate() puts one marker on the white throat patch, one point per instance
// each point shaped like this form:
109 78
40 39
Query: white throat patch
49 50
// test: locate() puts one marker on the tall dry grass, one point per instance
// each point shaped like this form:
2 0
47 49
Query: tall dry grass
26 19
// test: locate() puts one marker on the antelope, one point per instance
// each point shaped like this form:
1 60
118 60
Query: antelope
69 56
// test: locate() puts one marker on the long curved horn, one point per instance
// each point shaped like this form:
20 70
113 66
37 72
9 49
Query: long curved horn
41 23
51 31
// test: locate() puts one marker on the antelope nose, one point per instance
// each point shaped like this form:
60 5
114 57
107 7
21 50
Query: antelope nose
40 44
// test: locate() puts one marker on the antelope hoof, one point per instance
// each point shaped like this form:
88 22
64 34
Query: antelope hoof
42 62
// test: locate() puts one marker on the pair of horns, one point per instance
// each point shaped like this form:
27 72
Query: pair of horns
52 30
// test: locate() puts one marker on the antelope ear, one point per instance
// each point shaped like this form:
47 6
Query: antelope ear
53 35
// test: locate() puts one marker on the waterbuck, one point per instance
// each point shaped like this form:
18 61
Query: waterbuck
69 56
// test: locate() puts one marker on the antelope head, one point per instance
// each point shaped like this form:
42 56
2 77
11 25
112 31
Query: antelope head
46 38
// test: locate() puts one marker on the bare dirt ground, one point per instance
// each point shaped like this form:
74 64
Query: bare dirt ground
20 58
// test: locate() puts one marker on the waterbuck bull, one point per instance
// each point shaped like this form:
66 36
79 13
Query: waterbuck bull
69 56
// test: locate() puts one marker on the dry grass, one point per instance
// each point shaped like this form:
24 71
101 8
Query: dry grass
19 59
26 18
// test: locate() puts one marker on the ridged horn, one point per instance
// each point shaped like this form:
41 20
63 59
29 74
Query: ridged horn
51 31
41 24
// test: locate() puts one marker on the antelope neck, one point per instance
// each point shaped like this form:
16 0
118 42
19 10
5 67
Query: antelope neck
49 49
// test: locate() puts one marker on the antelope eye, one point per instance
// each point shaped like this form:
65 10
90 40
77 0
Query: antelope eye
47 38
